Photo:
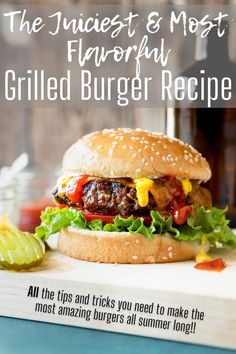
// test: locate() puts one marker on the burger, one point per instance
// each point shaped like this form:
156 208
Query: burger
132 196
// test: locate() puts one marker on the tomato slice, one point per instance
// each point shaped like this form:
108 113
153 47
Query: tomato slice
181 214
74 188
108 219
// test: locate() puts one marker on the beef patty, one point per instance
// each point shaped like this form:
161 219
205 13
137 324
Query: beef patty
109 197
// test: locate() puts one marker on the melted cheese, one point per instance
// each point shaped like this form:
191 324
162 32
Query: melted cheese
187 186
143 186
154 192
62 185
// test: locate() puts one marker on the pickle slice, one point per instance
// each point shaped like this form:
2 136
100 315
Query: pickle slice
20 250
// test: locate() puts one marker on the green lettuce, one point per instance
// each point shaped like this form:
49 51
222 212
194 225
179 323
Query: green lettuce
208 222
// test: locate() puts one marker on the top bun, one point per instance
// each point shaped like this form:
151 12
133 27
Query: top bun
116 153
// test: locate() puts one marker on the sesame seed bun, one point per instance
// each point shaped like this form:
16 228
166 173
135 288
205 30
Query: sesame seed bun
122 247
117 153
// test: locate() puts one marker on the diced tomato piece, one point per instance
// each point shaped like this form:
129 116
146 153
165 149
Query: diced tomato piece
181 214
61 206
174 189
74 188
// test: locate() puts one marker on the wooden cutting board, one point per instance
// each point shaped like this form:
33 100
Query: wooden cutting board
171 301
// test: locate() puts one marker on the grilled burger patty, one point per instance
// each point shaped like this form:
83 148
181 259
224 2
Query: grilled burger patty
108 198
104 196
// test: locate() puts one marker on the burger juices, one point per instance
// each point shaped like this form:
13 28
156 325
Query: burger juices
131 196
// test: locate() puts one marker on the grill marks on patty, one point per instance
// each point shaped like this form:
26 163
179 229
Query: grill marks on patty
113 198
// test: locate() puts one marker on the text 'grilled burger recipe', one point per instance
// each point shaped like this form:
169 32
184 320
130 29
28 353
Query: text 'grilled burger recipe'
131 196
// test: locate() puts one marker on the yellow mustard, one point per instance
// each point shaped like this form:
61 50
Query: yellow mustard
202 256
187 186
143 186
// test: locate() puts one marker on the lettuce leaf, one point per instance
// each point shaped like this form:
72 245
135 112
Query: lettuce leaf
210 223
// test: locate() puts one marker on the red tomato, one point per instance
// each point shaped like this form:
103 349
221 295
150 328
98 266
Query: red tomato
74 188
181 214
108 219
61 206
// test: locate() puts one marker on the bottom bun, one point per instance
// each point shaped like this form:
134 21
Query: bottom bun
122 247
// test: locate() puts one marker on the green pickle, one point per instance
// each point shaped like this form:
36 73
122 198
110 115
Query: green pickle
20 250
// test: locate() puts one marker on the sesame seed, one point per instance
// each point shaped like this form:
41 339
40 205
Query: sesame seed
157 153
110 151
131 147
124 147
176 159
126 243
138 170
143 159
151 158
170 254
146 147
146 164
163 158
99 147
164 258
137 241
170 248
134 154
139 150
134 257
